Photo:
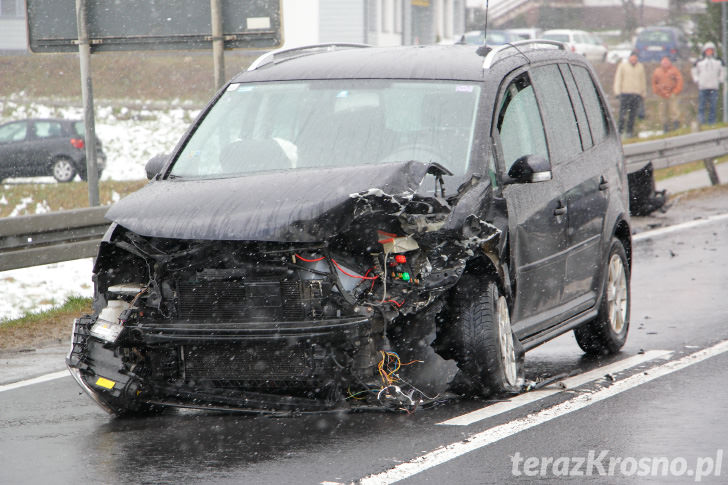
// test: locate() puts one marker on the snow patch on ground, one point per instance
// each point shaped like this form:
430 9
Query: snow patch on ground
42 287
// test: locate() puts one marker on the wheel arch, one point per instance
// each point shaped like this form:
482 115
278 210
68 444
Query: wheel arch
484 265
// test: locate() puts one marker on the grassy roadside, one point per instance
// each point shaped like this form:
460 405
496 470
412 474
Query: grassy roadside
159 76
29 199
43 328
666 173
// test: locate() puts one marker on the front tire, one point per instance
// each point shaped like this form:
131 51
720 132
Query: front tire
486 350
607 333
63 170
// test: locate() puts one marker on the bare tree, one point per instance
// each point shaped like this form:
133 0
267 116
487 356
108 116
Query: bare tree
631 18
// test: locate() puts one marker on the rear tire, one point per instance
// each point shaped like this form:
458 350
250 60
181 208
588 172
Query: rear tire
607 333
84 178
486 350
63 170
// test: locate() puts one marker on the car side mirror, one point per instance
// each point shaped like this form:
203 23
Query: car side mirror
528 169
155 165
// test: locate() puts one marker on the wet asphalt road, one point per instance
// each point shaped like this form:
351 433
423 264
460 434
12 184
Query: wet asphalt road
51 433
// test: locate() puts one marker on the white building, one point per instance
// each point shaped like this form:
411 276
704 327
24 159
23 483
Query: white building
12 25
375 22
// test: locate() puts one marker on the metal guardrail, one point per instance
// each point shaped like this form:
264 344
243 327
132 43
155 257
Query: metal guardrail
66 235
50 238
678 150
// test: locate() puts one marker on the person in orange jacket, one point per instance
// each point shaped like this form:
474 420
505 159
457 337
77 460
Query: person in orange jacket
667 83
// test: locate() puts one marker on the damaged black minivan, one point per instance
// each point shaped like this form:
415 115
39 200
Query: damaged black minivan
338 215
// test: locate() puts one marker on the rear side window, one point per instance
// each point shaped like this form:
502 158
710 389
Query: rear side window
79 128
655 36
592 103
586 139
562 130
48 129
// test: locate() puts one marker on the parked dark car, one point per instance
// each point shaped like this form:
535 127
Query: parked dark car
654 43
39 147
337 215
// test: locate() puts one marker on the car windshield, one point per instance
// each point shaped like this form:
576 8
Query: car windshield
495 37
293 125
557 37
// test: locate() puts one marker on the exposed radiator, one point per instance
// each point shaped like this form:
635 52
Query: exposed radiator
242 300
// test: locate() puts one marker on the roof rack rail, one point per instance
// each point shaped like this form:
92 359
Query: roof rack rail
497 52
269 57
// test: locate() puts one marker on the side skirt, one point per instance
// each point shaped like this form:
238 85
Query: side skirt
537 339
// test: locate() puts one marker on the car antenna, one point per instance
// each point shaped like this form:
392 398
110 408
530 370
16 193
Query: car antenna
484 49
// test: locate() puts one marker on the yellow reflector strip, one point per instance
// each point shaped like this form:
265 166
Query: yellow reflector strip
102 382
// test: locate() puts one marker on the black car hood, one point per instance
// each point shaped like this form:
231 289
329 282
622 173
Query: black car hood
293 206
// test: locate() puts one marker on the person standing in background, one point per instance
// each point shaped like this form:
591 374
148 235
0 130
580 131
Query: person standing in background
667 83
630 84
708 72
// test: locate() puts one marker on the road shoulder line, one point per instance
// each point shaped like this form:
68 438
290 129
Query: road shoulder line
35 380
479 440
569 383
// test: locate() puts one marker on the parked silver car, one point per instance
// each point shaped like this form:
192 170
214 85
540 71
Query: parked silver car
580 42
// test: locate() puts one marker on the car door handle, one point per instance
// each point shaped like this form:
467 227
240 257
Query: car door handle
560 210
603 184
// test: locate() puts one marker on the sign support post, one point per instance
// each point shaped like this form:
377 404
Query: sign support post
723 21
84 53
218 42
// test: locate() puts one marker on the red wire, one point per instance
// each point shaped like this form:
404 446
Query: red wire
309 260
353 275
398 304
368 271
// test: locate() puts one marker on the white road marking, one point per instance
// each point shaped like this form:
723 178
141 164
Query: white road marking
35 380
570 383
678 227
478 440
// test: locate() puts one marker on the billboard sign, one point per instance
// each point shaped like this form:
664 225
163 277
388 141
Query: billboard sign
127 25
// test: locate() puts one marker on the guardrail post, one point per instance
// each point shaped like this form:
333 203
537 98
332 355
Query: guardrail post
712 173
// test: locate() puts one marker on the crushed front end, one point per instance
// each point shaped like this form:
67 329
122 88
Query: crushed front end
271 325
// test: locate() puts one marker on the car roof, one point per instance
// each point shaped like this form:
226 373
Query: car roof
432 62
456 62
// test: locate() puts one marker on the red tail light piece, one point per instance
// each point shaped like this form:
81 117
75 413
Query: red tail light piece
77 143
